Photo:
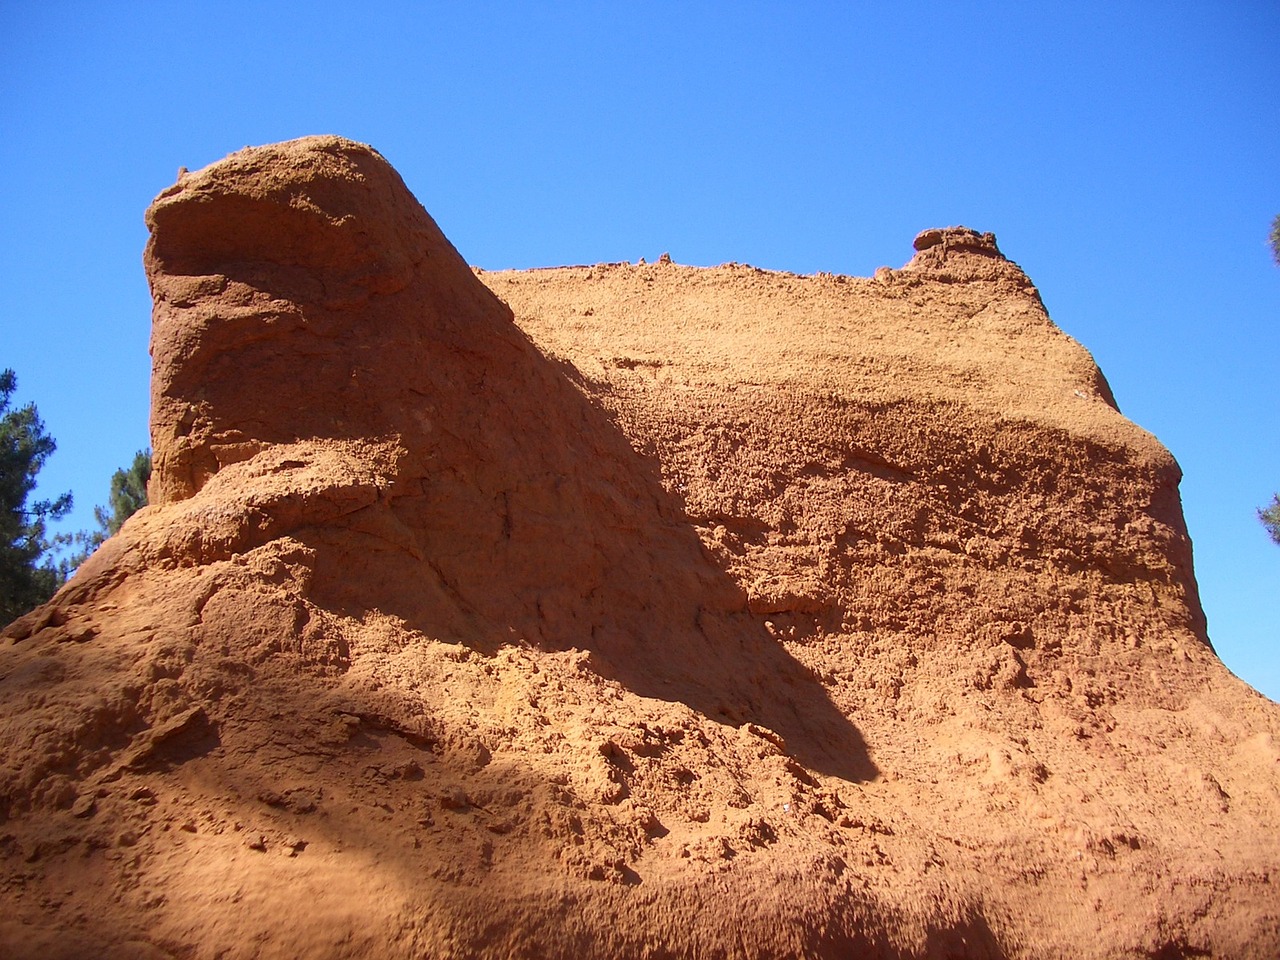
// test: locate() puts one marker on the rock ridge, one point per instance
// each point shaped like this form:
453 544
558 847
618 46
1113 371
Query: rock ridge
621 610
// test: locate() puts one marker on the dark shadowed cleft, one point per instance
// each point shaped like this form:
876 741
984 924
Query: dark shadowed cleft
184 737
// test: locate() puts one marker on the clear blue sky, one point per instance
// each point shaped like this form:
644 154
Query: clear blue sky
1126 154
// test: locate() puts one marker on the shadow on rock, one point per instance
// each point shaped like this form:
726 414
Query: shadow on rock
516 512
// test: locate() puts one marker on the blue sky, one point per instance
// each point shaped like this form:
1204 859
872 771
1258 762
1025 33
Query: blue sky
1126 154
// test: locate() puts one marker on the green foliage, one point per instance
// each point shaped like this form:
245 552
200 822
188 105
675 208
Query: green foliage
1270 518
128 493
1275 239
28 576
128 496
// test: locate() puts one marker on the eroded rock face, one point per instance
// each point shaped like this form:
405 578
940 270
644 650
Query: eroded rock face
622 611
299 295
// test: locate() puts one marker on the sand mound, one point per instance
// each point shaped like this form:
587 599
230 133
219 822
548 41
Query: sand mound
622 611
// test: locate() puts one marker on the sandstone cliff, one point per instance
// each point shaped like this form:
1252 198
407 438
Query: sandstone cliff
620 611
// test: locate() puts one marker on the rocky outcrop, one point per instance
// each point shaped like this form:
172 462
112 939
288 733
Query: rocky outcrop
622 611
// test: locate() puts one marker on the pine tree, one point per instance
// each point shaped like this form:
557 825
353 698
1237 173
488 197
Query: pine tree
28 576
128 496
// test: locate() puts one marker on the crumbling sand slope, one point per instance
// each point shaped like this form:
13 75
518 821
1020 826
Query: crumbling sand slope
695 613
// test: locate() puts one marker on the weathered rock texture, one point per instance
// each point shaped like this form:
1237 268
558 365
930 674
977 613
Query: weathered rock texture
622 611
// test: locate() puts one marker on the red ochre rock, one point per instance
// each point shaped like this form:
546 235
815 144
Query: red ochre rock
622 610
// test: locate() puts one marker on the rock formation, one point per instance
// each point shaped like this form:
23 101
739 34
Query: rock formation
622 611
